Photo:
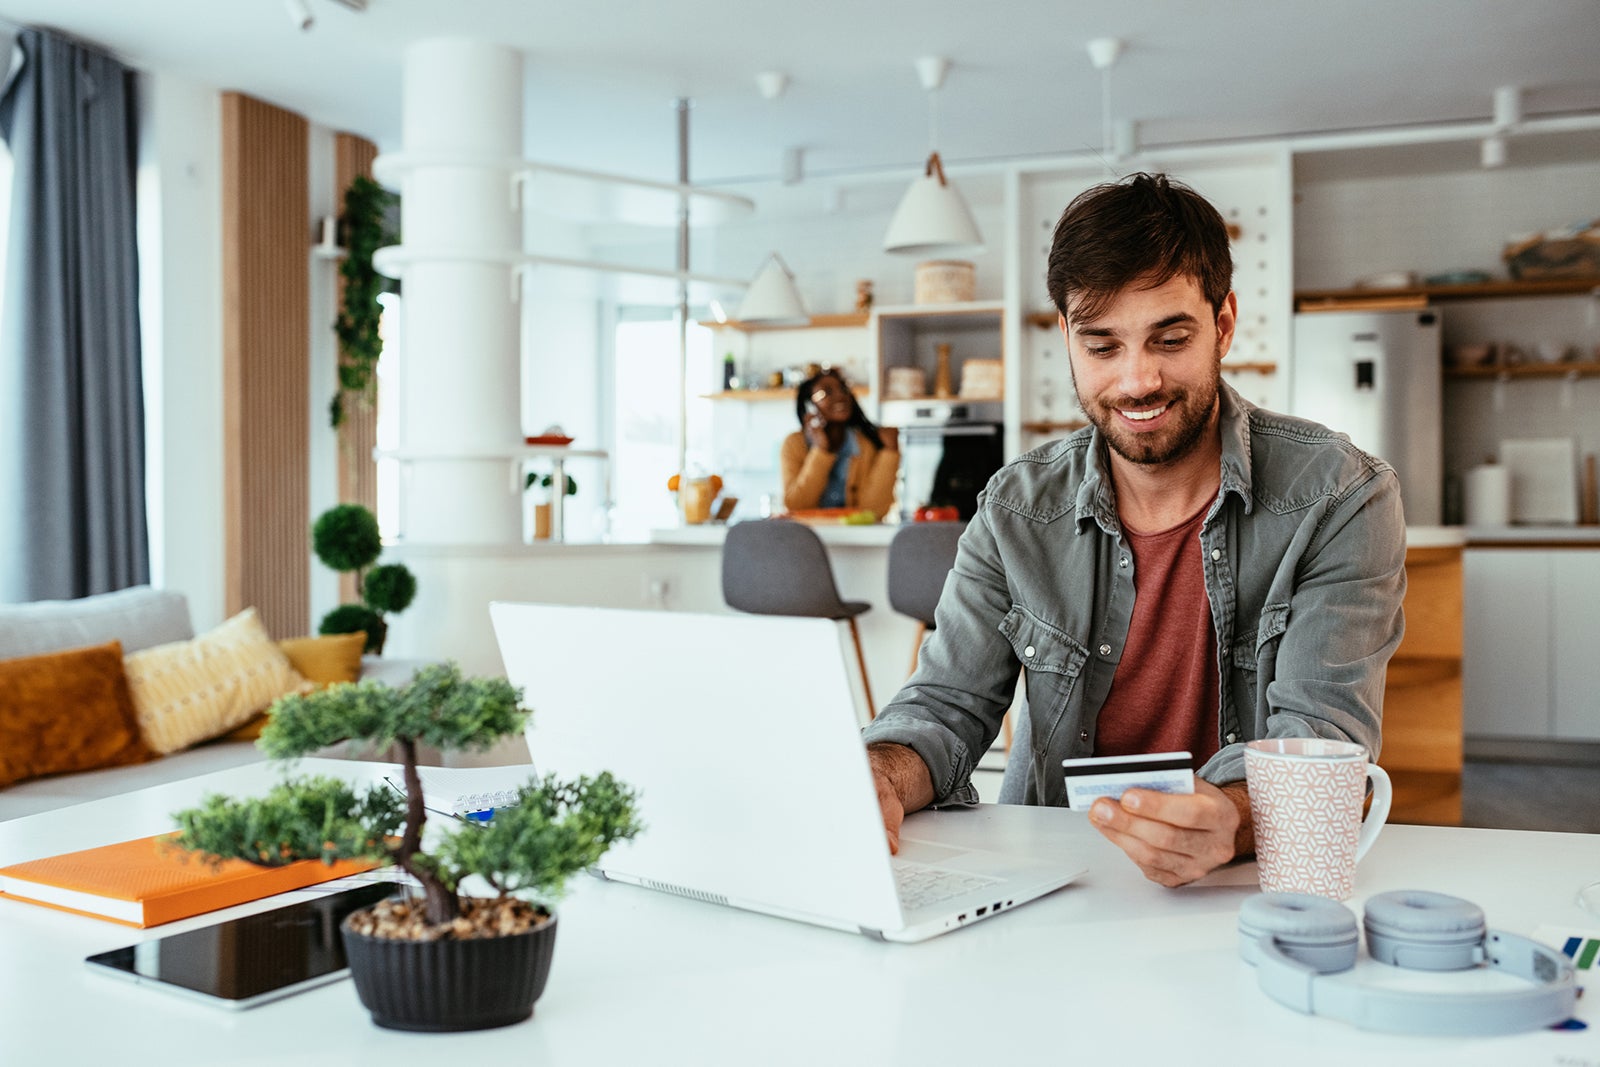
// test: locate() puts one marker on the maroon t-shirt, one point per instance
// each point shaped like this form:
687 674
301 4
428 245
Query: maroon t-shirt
1164 695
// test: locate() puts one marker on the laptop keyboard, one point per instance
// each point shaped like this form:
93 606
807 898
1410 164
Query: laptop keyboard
921 885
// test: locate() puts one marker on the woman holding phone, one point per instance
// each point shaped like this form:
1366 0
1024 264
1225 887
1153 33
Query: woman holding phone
838 458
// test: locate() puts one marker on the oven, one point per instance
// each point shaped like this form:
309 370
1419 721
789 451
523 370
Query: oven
948 451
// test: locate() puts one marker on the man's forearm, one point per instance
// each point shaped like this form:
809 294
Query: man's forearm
904 770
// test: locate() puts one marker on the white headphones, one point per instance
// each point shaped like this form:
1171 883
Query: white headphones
1298 943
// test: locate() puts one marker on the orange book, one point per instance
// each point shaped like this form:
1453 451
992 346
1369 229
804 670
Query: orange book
151 881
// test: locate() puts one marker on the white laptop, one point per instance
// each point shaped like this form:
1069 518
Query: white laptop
741 734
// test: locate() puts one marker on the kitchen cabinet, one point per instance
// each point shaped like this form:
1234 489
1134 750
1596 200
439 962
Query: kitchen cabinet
1531 666
1422 730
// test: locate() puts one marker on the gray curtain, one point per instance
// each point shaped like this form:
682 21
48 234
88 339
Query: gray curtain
72 504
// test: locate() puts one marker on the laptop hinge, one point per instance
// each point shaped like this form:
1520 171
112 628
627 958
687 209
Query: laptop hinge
876 935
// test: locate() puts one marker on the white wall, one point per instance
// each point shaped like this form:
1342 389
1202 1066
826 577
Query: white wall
180 305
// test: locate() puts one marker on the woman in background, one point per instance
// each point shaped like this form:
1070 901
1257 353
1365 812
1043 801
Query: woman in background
838 458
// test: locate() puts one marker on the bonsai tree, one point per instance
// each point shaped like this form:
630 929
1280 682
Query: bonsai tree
345 538
547 481
556 829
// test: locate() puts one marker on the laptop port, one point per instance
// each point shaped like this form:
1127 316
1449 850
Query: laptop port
982 912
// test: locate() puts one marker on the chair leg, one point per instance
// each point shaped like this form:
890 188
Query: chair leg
916 647
861 658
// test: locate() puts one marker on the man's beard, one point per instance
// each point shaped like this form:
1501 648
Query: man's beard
1191 411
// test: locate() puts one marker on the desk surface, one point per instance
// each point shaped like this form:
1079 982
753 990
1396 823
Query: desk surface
1111 969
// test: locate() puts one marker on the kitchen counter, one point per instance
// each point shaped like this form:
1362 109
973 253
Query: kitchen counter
877 536
1531 536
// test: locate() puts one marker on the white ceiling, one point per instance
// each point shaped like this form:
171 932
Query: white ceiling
601 74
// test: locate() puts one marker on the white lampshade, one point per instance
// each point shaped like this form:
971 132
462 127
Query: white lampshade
772 297
932 219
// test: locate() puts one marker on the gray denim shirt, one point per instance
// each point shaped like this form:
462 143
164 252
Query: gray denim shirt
1304 557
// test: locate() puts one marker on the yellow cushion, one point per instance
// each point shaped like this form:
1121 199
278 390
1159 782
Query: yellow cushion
188 691
323 661
328 658
66 711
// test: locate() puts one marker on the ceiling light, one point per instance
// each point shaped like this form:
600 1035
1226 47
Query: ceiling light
932 219
772 298
772 84
299 14
1507 107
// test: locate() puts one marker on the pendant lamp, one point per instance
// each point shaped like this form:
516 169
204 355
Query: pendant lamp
933 219
772 298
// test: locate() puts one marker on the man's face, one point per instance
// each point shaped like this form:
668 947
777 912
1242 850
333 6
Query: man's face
1147 369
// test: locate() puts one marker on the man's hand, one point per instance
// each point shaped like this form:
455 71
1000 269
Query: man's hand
1176 838
903 784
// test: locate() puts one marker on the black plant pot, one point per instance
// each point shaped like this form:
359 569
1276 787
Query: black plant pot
475 984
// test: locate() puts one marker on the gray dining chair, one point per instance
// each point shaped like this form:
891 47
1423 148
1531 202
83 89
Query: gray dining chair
921 556
780 567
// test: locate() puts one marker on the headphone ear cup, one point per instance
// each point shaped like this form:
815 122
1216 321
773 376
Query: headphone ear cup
1311 930
1424 931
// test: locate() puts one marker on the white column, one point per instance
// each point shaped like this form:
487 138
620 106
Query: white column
459 388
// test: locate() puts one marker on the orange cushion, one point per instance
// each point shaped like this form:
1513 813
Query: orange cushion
323 660
66 711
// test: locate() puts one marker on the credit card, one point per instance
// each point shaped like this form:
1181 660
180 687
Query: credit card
1094 777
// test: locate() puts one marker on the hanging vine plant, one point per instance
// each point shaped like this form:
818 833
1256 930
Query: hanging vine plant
365 229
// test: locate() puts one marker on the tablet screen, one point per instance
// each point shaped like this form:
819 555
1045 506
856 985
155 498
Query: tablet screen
250 960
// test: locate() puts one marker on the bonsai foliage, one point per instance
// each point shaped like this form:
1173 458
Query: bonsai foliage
365 230
346 538
547 481
555 830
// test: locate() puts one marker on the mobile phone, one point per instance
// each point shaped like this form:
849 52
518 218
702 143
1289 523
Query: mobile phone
250 960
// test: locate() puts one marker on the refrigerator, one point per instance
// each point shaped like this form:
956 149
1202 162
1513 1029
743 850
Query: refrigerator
1375 375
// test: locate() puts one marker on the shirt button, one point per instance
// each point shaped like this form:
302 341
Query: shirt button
1105 650
1083 735
1028 651
1123 562
1216 554
1232 738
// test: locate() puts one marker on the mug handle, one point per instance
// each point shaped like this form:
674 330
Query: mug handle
1378 813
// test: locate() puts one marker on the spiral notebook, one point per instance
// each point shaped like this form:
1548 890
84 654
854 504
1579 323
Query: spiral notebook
467 791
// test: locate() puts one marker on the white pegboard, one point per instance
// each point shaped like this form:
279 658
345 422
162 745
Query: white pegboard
1252 193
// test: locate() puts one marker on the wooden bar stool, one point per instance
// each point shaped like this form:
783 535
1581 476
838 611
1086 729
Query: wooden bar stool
780 567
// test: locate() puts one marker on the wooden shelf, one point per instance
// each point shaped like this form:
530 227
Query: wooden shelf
1589 369
818 322
785 393
1422 295
1054 427
1045 320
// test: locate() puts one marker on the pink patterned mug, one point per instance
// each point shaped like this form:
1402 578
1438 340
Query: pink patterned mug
1305 799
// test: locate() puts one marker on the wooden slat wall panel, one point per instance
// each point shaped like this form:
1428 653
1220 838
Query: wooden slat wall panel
266 228
358 435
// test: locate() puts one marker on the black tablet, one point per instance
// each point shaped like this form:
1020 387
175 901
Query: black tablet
251 960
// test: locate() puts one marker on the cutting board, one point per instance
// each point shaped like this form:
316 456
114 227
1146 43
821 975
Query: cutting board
1544 480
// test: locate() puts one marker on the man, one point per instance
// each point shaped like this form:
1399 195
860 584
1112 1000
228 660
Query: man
1189 572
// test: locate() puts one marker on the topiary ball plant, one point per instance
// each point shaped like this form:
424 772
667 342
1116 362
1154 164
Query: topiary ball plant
346 538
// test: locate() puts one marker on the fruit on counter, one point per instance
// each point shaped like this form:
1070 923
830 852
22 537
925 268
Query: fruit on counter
940 513
864 517
672 483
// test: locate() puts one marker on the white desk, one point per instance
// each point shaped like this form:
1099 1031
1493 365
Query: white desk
1110 970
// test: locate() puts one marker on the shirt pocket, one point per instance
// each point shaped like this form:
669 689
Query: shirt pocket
1257 649
1053 660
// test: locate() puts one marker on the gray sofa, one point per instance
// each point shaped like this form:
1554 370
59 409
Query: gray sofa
140 618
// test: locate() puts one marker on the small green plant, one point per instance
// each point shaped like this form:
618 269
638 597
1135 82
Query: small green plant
547 481
556 829
365 229
346 538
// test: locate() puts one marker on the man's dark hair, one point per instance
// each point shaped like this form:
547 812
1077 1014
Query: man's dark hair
1145 228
